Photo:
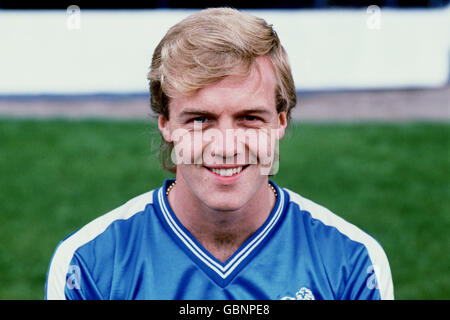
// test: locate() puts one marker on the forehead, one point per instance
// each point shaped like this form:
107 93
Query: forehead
234 93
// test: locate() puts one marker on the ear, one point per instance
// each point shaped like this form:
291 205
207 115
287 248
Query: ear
164 128
282 124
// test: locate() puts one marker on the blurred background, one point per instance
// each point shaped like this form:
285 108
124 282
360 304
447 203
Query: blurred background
369 138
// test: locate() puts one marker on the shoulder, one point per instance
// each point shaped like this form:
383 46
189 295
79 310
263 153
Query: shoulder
96 227
338 230
329 219
91 232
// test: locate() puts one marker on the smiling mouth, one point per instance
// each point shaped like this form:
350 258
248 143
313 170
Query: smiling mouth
227 172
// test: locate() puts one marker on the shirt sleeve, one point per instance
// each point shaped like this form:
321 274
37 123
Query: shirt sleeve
370 278
70 279
80 284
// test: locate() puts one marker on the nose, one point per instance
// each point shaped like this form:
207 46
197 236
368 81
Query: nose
224 146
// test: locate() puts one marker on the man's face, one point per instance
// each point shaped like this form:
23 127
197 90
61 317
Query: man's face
225 135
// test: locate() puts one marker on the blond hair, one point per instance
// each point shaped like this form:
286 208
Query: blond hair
208 46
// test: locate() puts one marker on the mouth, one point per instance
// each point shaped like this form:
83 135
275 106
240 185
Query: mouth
227 172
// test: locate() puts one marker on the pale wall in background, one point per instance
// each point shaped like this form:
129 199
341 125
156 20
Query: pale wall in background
328 49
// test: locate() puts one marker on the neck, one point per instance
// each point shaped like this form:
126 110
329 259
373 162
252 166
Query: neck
221 232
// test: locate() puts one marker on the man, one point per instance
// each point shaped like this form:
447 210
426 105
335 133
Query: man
222 88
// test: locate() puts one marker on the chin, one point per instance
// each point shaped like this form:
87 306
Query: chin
224 205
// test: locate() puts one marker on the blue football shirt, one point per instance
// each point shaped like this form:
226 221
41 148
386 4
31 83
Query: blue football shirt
142 251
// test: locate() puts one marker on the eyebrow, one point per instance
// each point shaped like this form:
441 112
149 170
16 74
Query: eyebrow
197 112
255 110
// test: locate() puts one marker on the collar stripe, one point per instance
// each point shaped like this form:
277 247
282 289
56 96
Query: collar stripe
183 237
251 246
222 270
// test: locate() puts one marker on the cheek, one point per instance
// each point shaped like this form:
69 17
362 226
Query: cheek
188 147
262 144
266 149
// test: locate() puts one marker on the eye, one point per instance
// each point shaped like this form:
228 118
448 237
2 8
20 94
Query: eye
250 118
201 119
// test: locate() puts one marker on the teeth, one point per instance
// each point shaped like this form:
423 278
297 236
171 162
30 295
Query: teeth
227 172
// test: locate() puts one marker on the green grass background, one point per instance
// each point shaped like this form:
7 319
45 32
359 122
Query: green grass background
391 180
